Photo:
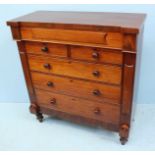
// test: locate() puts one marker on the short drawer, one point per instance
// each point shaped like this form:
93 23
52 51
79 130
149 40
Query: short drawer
86 108
97 55
82 70
70 86
47 49
108 39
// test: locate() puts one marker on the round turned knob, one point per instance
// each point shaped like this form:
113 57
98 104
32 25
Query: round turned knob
50 84
44 49
96 92
53 101
96 73
47 66
95 55
97 111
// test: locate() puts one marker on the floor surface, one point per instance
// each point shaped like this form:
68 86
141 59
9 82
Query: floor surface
19 130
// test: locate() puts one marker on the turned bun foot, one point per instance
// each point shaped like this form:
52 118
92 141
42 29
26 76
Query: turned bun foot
124 133
123 140
40 117
36 110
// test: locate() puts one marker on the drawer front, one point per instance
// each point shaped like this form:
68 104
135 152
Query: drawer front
99 111
97 72
70 86
96 55
48 49
109 39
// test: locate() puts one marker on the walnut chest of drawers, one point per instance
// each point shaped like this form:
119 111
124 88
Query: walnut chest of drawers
81 66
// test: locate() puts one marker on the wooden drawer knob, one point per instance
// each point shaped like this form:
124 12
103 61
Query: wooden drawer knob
47 66
96 92
96 73
53 101
95 55
50 84
44 49
97 111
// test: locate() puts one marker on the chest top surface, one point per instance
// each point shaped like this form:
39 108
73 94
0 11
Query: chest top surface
117 21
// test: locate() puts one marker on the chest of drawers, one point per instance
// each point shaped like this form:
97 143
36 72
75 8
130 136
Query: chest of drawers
81 66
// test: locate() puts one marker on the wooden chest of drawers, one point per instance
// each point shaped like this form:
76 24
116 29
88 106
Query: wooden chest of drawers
81 66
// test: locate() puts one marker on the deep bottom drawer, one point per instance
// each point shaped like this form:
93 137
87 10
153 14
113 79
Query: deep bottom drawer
85 108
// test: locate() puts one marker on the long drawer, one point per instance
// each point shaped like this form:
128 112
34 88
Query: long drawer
78 88
90 71
85 108
107 39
